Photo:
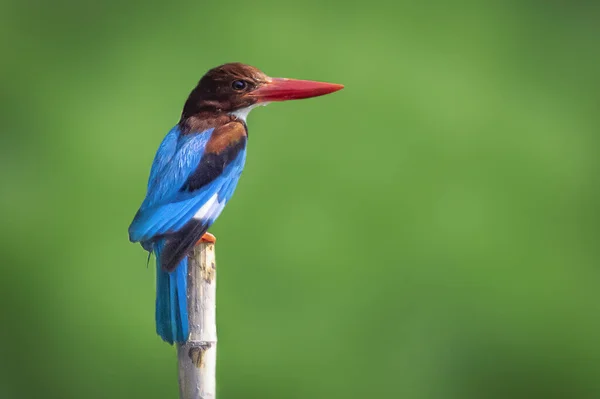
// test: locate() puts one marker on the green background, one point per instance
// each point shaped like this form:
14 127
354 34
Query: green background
431 231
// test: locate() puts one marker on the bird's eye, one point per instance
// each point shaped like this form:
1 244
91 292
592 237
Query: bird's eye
239 85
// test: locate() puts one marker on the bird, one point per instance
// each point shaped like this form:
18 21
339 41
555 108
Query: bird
195 172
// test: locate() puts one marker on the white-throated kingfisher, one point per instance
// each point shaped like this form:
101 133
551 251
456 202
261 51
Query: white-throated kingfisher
195 172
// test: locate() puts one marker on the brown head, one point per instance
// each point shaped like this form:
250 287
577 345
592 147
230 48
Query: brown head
236 88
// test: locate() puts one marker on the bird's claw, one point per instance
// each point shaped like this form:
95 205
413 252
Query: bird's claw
207 237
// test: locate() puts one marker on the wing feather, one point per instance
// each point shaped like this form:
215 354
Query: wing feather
189 185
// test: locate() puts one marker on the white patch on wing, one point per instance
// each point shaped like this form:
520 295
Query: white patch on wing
242 113
211 209
205 209
217 209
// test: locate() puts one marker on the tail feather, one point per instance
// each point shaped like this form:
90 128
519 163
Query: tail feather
171 299
182 311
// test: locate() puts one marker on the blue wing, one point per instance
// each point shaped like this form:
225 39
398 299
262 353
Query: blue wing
168 206
165 152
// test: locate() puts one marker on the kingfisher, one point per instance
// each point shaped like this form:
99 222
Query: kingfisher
195 172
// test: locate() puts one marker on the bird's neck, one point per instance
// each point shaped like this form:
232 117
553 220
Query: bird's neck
202 121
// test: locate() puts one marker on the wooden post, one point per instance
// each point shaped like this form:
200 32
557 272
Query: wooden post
198 356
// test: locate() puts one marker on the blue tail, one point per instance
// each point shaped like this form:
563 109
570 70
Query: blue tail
171 300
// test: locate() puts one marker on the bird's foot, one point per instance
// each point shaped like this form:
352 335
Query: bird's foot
207 237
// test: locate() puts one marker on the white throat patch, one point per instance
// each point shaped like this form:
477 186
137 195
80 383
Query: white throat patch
242 113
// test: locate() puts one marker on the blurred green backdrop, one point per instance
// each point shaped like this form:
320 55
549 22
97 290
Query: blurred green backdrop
429 232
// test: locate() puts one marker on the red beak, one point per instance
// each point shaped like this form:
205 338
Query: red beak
279 89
